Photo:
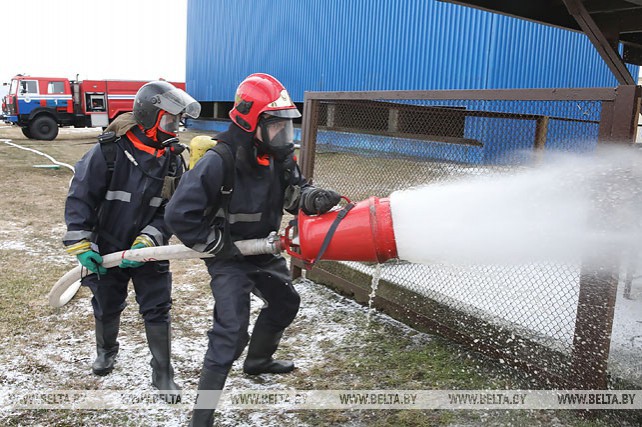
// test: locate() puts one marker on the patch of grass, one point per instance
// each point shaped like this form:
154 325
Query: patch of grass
60 418
23 293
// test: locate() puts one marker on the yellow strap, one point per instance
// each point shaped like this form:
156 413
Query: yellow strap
78 248
145 240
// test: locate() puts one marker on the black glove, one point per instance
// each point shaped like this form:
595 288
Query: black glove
317 201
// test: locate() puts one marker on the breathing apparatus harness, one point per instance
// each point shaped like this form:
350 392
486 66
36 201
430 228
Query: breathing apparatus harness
109 141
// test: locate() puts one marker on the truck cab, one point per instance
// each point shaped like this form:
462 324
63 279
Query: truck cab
39 105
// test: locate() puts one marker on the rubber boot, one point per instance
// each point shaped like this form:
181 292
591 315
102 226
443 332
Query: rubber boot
159 341
106 346
259 355
209 381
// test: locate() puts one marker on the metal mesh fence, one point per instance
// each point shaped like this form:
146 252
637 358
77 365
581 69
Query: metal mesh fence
373 147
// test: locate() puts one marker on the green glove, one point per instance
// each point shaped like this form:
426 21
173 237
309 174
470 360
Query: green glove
125 263
92 261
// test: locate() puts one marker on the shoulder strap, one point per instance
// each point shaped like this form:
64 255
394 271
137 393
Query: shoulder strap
225 151
108 147
229 163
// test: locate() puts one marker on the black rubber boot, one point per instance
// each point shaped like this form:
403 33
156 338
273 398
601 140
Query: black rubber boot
159 341
209 381
106 346
259 355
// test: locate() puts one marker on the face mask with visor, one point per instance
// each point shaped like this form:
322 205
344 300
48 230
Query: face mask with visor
277 134
173 103
169 123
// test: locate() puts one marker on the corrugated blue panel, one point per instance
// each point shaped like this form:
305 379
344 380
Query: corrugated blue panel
535 56
331 45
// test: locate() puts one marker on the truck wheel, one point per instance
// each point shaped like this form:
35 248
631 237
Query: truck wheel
44 127
26 132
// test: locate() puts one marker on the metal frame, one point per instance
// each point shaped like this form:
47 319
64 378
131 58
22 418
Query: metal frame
598 285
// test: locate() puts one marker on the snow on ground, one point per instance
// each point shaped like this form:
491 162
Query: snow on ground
61 359
63 362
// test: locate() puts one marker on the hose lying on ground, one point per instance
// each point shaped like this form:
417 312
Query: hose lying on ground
54 161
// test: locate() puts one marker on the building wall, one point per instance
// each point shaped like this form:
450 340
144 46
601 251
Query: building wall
339 45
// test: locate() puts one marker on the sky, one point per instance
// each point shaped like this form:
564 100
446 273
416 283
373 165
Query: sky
94 39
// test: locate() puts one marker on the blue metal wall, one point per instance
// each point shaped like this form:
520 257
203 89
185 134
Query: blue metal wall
330 45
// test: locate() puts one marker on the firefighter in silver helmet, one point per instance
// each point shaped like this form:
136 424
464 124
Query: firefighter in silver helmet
116 202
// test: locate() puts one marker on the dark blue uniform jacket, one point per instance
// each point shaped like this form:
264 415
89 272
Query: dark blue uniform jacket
111 213
257 201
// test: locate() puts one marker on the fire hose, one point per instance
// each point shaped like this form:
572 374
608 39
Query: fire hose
54 161
67 286
358 232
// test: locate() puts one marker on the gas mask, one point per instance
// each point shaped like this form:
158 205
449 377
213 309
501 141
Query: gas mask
277 136
167 128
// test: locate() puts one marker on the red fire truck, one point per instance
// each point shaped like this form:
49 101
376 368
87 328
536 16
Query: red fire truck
40 105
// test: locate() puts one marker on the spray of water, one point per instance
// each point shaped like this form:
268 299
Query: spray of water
553 212
374 284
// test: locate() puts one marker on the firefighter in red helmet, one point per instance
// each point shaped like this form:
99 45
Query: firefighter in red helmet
238 191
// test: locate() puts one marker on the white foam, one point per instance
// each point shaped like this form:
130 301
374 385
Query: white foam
537 214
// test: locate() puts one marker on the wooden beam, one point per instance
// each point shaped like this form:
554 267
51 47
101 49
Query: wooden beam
600 41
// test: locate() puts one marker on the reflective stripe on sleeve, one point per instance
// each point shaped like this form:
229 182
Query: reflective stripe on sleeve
123 196
77 235
78 248
212 240
240 217
243 217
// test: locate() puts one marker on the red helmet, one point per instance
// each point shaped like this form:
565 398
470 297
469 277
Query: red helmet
261 93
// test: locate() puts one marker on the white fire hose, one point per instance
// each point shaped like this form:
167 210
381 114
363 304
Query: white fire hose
54 161
67 286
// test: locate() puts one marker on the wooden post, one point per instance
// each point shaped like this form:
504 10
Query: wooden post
309 127
541 132
600 267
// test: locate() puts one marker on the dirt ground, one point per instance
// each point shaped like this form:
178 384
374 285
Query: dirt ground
336 343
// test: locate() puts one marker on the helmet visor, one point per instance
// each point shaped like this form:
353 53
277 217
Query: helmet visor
289 113
169 123
177 102
277 132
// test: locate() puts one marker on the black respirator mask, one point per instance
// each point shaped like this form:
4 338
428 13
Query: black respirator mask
278 137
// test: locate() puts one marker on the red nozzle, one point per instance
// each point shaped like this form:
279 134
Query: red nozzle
364 234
